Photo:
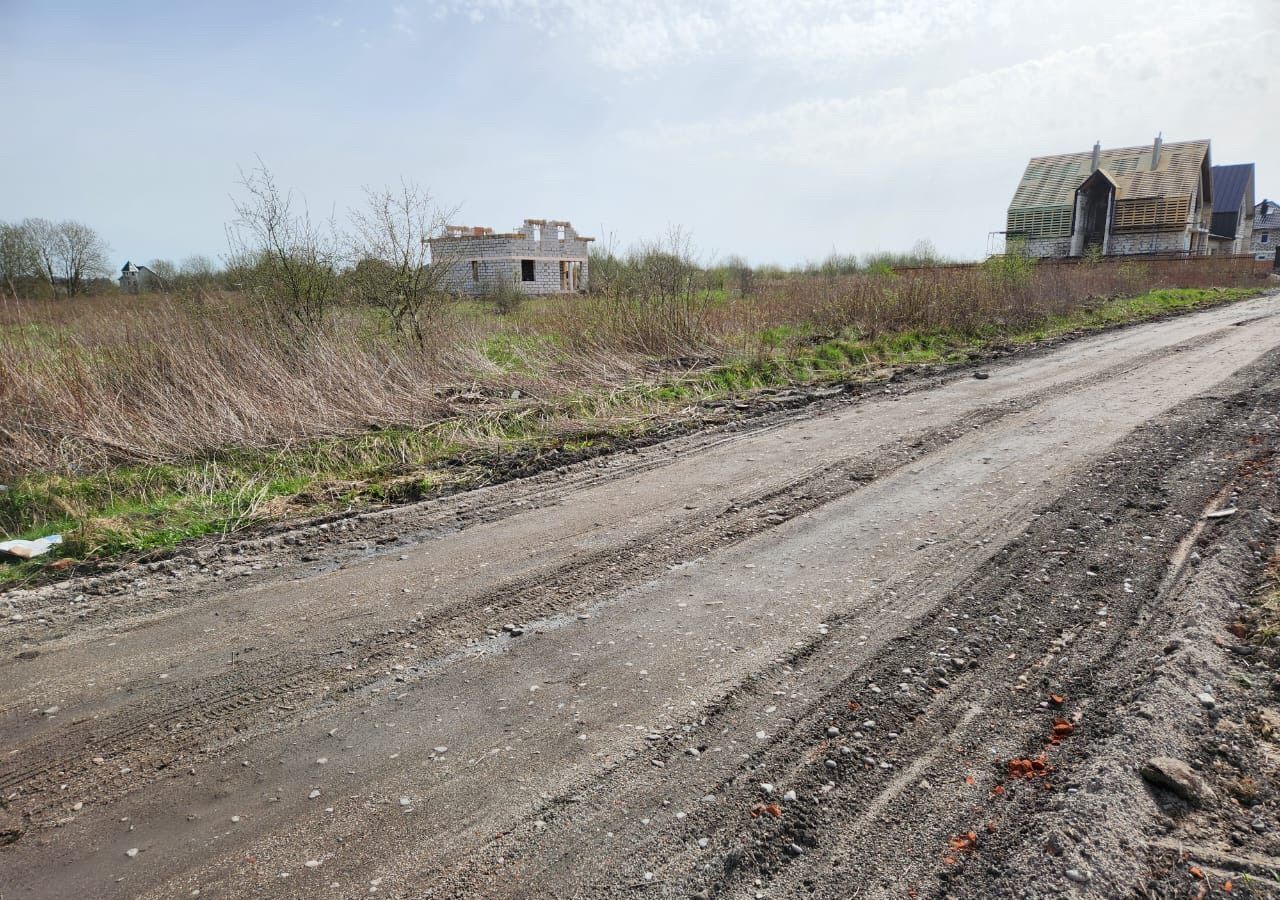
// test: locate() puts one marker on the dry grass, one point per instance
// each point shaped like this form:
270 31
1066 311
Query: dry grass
135 423
1267 625
99 382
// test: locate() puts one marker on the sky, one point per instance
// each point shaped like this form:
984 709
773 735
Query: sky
777 130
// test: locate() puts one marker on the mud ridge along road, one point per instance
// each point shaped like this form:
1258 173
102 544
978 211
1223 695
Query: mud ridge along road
922 643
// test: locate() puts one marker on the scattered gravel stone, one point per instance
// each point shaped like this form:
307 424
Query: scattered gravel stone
1176 776
1077 876
131 852
1206 700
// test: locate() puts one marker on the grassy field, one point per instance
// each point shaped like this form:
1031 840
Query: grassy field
131 425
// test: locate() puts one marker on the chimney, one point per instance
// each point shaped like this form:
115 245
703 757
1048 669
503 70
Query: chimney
1097 156
1155 151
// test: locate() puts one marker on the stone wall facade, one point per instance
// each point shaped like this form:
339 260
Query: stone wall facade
1117 244
1048 248
1266 230
539 258
1127 243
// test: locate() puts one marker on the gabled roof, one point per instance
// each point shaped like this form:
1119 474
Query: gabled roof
1051 181
1231 184
1232 187
1266 213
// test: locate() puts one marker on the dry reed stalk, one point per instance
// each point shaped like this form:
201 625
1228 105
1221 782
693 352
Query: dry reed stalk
104 381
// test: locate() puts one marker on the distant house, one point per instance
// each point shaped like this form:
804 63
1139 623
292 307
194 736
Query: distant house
542 256
1232 227
138 279
1156 198
1266 230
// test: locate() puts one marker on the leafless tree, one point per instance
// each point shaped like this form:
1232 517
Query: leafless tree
164 270
393 267
84 256
198 268
282 258
19 263
69 253
43 236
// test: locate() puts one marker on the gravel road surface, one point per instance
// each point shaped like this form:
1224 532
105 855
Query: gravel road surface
915 643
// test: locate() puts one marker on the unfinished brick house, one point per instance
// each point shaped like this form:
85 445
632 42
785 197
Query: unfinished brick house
542 256
1156 198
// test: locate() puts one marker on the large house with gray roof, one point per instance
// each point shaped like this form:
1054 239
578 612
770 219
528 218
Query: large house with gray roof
1156 198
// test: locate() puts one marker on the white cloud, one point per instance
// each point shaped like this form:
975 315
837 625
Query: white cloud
401 17
1065 98
801 33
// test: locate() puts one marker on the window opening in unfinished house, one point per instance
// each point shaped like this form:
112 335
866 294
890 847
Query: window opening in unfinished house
526 270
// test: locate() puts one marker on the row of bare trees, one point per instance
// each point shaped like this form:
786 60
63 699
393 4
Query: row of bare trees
62 257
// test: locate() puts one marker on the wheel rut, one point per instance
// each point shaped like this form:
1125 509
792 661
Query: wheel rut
982 669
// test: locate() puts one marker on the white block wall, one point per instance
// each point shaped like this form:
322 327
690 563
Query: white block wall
499 259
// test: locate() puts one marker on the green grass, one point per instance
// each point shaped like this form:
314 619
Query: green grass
154 508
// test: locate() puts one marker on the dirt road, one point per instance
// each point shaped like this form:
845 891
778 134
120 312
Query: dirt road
799 656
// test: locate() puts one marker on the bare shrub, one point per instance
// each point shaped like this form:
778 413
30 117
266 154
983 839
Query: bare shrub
740 277
280 258
504 298
393 267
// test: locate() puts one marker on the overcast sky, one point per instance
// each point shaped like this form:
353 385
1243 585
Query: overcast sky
777 129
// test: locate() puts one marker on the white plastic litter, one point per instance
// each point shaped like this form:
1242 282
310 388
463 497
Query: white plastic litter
29 549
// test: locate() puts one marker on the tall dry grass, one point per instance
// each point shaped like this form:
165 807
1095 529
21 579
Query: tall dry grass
97 382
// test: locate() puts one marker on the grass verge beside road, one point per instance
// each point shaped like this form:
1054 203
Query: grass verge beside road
131 510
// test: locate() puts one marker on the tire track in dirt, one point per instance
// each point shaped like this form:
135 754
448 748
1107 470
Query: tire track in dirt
336 540
887 826
150 742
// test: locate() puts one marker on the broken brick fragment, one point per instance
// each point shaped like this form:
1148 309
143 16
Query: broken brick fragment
1029 768
1061 729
